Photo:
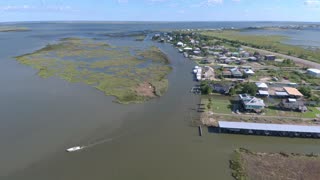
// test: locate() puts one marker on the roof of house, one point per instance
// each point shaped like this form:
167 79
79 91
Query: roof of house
292 91
248 71
269 127
244 96
226 73
253 58
314 71
255 102
261 85
292 100
235 71
281 93
251 100
264 93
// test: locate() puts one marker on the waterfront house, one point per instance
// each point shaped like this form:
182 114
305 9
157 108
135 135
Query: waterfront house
187 49
235 54
196 52
314 72
252 58
227 74
293 104
228 61
245 54
180 44
270 57
248 72
236 73
262 86
281 94
223 58
263 93
222 88
251 103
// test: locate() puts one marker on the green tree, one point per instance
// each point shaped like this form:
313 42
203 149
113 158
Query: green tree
209 103
232 91
249 88
205 87
306 91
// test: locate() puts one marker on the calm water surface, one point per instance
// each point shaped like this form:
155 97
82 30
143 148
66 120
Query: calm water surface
40 118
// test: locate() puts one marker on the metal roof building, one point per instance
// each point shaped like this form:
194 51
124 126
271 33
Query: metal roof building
269 127
293 91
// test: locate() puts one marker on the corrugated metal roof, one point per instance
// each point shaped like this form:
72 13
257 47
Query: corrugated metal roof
266 93
314 71
269 127
281 94
261 85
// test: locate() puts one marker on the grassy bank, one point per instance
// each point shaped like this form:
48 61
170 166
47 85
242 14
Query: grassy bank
13 29
252 165
271 43
130 77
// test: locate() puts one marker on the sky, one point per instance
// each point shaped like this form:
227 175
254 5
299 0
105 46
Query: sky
159 10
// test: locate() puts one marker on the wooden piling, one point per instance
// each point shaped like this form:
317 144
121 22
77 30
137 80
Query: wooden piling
200 130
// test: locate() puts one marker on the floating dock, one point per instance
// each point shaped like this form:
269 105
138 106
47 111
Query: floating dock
269 129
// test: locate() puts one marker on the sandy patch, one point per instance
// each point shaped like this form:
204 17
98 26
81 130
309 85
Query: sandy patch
145 89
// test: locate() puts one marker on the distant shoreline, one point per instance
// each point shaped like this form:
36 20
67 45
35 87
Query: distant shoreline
133 22
13 29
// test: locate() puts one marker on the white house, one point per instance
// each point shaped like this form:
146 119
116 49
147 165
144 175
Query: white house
187 49
261 85
179 44
314 72
248 72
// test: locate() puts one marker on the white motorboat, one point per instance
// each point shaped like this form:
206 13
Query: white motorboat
76 148
199 77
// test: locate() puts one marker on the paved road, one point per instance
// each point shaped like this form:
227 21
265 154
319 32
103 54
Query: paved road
295 59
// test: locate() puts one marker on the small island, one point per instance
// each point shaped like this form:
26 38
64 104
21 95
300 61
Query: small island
131 75
246 164
13 29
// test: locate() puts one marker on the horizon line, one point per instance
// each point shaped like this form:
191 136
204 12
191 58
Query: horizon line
155 21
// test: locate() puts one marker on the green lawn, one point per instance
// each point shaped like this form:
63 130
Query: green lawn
218 105
311 113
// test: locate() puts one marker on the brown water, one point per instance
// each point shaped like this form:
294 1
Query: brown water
40 118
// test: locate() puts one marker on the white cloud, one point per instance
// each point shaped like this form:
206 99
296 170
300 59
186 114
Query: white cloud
15 8
312 3
157 0
35 8
123 1
207 3
213 2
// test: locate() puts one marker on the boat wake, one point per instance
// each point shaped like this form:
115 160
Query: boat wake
78 148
